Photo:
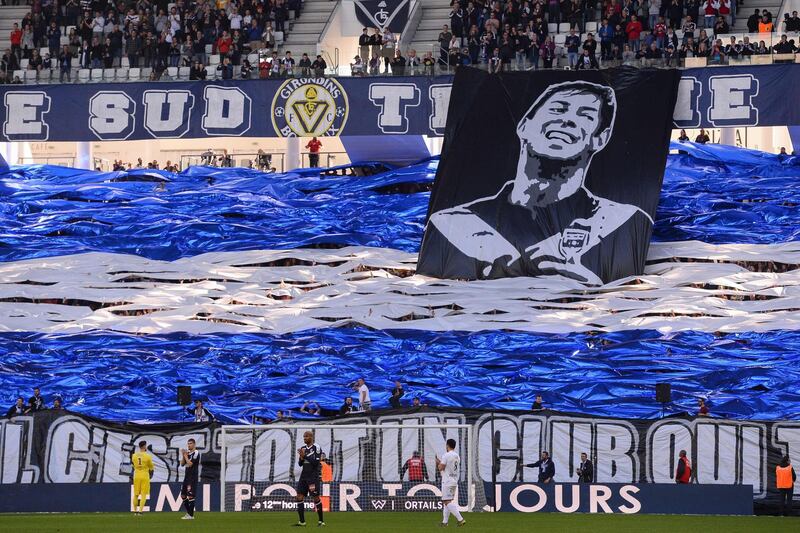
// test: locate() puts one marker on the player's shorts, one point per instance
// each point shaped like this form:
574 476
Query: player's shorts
307 487
189 490
449 491
141 485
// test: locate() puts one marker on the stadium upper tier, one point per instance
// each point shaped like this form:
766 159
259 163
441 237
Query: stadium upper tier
129 282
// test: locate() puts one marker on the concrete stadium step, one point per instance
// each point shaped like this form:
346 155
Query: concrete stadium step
432 24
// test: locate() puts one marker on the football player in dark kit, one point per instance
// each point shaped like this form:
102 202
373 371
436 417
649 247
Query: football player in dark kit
309 457
191 460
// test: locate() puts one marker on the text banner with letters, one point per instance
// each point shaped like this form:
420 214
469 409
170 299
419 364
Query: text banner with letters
54 447
389 105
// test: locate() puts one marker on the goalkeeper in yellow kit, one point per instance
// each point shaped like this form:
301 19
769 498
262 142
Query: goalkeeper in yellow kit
142 472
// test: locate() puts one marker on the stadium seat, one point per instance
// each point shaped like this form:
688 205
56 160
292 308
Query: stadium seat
563 27
213 60
122 73
109 74
183 73
44 50
23 64
172 72
20 74
278 37
560 39
552 27
125 63
64 40
96 74
237 71
591 27
209 49
30 76
134 73
83 75
47 74
145 73
253 58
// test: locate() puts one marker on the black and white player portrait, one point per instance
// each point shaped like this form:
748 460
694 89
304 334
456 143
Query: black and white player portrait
545 221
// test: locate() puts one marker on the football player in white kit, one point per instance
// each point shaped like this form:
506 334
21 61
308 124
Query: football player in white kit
449 466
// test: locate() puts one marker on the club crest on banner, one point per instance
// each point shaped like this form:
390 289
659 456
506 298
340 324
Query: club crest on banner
382 14
309 107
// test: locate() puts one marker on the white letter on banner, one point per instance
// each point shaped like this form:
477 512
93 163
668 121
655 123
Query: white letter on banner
24 116
687 106
227 111
627 493
576 499
275 444
167 113
664 441
786 437
598 497
716 449
393 99
732 100
68 451
112 115
617 461
440 99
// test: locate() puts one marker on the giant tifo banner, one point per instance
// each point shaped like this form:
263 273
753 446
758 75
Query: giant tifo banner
709 97
531 185
58 447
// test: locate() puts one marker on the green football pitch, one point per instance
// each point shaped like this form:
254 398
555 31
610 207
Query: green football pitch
401 522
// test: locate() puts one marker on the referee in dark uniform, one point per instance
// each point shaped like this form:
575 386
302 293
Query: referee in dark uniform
191 460
310 458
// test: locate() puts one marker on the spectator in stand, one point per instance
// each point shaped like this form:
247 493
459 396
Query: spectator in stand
357 66
389 42
660 32
347 406
724 11
311 408
702 137
721 27
53 38
35 62
305 65
764 25
572 43
653 10
363 43
587 61
415 466
246 70
36 402
585 471
28 43
717 55
375 43
606 33
288 65
364 401
313 148
784 46
16 41
58 405
683 473
792 23
753 21
416 402
633 30
710 8
17 409
496 62
396 394
8 64
683 137
200 413
537 403
702 409
444 42
547 51
398 63
318 66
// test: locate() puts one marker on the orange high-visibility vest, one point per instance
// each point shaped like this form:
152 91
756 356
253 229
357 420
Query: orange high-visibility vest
783 477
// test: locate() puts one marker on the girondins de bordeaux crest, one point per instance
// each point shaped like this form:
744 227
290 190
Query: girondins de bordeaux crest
382 14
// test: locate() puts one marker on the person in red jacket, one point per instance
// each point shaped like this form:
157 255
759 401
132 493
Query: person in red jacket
683 474
313 147
224 45
16 41
633 30
417 471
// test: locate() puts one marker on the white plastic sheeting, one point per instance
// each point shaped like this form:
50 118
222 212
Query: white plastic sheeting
376 287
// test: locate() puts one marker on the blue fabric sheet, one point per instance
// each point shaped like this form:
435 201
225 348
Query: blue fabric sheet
123 377
711 193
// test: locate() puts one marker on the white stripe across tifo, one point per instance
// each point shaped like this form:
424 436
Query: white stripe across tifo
686 286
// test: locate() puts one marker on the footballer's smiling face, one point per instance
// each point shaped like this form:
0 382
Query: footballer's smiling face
564 126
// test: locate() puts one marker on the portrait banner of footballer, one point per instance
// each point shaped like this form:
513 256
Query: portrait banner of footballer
549 173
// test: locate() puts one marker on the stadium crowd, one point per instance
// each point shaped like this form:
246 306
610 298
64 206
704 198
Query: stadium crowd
519 34
143 33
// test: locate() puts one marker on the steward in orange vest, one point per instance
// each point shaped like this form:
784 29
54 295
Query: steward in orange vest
683 474
784 481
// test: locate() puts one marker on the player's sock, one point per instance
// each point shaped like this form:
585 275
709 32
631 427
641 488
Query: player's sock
190 507
319 510
453 506
445 513
301 511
